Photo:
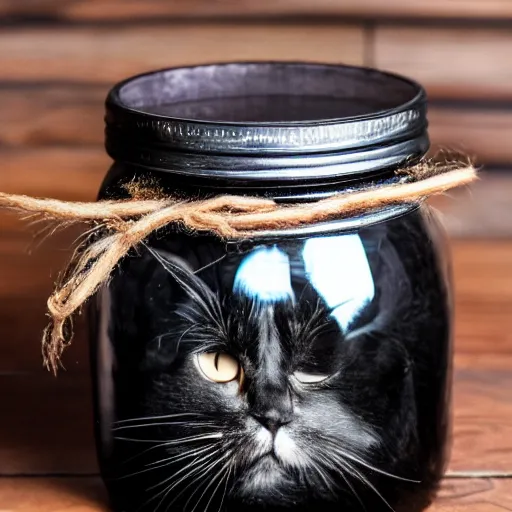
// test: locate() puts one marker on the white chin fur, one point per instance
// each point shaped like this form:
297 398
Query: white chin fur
286 449
263 440
283 445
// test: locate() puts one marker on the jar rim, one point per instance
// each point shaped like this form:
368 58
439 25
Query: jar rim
400 113
120 93
391 121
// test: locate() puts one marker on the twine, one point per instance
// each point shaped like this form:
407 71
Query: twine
119 226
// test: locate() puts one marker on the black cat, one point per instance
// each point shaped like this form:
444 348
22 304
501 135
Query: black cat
305 375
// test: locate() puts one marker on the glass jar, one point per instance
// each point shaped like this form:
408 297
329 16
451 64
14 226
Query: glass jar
301 368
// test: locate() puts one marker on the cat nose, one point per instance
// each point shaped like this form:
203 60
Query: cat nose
273 419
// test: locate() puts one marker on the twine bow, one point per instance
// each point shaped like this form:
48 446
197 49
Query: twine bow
121 225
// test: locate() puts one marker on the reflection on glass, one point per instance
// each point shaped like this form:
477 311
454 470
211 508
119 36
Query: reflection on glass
339 271
264 275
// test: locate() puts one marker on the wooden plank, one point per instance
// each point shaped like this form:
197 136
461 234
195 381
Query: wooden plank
87 494
449 62
483 293
482 420
22 320
474 495
36 115
74 173
49 427
482 210
63 443
45 115
483 286
105 55
52 495
129 9
483 134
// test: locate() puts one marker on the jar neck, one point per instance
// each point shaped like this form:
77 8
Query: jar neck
197 188
257 171
192 186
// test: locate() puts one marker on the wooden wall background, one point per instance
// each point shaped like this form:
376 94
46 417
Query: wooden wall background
58 58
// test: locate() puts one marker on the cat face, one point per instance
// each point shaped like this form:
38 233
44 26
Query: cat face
268 372
280 391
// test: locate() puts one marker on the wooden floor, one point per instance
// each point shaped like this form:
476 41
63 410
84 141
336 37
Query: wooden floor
47 460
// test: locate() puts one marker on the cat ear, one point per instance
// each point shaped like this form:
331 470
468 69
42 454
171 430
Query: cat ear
393 293
159 354
182 273
195 288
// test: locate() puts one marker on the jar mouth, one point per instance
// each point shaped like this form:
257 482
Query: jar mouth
267 94
268 109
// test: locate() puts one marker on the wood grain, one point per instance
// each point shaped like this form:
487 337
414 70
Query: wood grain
52 114
103 55
87 494
50 424
481 133
482 420
129 9
450 63
474 495
72 173
482 210
72 115
52 495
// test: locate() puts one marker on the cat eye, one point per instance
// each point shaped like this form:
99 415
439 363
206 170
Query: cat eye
219 366
309 378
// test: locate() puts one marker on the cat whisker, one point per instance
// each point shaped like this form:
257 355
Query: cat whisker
367 465
221 474
380 471
143 452
194 469
347 482
171 443
327 481
162 417
202 475
167 462
352 489
185 332
168 424
365 481
137 440
194 451
352 471
203 472
195 289
189 469
218 260
225 488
